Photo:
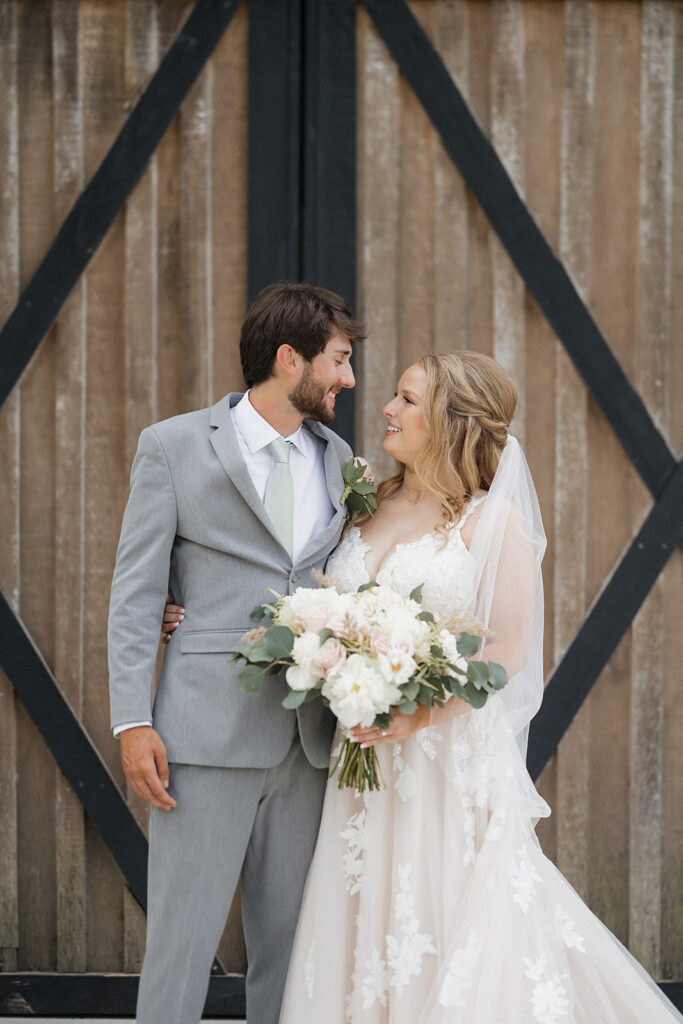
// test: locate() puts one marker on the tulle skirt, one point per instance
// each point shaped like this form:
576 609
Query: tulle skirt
431 902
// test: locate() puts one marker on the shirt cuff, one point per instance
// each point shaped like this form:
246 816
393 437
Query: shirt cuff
128 725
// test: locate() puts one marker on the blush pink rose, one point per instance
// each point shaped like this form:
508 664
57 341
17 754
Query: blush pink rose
314 618
329 655
380 642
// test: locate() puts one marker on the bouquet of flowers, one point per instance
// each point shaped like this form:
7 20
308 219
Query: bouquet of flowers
365 654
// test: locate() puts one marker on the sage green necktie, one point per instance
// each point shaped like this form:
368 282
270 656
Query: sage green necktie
279 496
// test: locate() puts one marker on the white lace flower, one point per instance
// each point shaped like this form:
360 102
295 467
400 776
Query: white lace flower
523 878
354 858
405 955
428 738
460 973
376 982
549 997
571 937
405 780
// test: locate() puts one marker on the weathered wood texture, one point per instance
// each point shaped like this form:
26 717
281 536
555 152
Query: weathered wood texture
583 102
149 332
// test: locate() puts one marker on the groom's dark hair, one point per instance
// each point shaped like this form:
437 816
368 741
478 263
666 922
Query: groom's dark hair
301 315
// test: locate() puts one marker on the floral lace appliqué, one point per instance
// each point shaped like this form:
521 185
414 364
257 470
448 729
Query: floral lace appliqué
549 1000
354 858
405 781
572 939
405 955
376 982
460 974
523 880
428 738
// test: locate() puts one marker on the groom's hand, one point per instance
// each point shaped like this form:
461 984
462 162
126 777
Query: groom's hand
143 756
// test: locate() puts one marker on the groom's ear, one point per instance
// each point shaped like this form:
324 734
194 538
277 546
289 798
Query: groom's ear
288 362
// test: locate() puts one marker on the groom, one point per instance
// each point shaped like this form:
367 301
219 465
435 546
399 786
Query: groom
226 502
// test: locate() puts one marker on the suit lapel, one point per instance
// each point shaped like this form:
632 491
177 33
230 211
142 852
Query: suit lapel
226 446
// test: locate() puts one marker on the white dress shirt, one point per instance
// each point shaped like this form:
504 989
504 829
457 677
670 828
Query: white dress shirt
313 508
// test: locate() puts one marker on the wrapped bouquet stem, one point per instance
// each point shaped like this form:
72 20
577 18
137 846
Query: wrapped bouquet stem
365 655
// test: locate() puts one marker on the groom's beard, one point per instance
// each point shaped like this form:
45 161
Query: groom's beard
310 398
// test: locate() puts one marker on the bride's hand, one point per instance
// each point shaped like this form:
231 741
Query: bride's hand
401 726
173 616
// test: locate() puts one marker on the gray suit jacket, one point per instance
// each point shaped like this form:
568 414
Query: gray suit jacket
194 526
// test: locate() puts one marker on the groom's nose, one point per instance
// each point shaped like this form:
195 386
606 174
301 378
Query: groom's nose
346 377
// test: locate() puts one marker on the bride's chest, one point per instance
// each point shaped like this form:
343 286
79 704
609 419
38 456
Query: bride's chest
444 570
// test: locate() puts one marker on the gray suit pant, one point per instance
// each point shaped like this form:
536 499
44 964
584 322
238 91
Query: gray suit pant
260 823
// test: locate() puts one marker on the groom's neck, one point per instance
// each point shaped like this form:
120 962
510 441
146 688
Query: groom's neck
271 402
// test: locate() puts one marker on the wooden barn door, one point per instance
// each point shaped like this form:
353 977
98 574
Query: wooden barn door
161 163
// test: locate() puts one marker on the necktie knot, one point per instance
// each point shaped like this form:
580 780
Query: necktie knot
280 450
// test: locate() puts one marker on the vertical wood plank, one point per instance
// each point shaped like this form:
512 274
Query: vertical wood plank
614 290
70 339
229 204
450 197
103 50
378 199
141 356
170 370
36 779
196 249
573 786
416 218
672 752
480 272
507 135
544 50
651 377
9 482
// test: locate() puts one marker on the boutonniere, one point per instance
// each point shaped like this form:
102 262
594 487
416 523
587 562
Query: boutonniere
359 490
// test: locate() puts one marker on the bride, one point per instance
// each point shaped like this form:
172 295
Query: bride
430 901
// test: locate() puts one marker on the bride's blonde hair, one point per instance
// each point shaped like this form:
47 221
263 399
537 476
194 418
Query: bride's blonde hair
468 405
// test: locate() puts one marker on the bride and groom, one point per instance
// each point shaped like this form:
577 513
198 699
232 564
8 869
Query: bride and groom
429 901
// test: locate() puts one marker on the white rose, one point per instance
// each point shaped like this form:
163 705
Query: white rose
358 691
304 674
313 607
449 646
397 666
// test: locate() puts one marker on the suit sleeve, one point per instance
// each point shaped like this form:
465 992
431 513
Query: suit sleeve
140 582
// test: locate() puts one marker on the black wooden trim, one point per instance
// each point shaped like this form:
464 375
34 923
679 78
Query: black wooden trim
544 275
99 203
329 184
606 623
73 750
103 995
114 995
274 150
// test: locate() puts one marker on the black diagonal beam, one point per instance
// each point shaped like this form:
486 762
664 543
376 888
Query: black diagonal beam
98 204
329 162
274 146
73 750
544 275
606 623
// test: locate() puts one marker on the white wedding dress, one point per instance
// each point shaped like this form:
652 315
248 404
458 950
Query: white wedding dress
431 902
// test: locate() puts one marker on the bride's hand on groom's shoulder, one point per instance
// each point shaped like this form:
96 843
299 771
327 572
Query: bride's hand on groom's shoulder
172 617
401 727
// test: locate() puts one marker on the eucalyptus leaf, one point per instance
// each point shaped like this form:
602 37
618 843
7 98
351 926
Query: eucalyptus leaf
425 616
258 613
498 677
468 645
478 673
367 586
324 635
410 689
355 502
416 594
408 707
349 472
364 487
477 698
294 699
278 641
436 651
384 721
251 678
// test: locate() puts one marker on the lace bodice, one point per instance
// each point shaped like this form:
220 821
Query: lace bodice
446 570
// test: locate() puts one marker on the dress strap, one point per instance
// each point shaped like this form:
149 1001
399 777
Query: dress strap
468 510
